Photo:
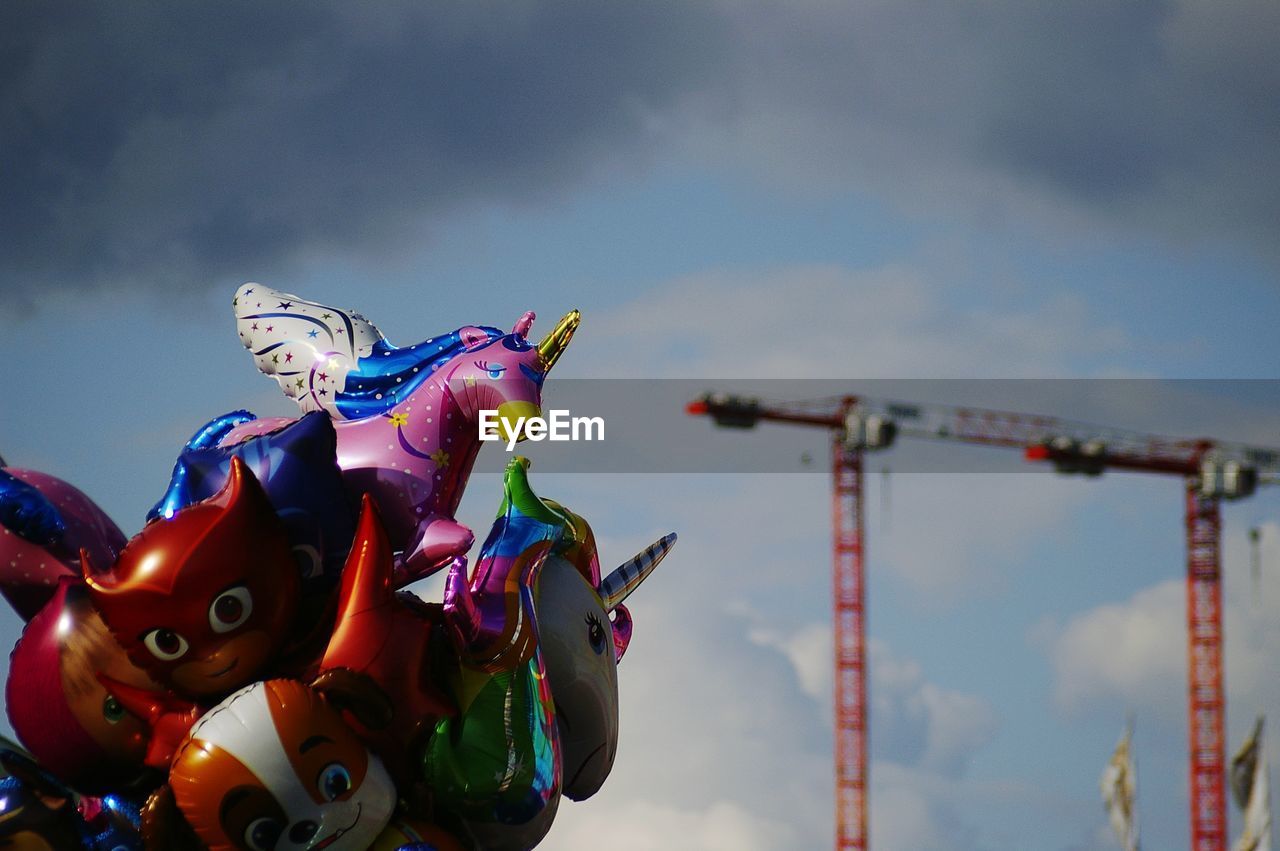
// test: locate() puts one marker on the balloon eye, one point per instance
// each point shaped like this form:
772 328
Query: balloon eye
335 781
165 644
230 609
112 710
493 370
263 833
595 632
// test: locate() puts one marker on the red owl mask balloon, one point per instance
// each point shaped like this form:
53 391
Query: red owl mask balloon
203 601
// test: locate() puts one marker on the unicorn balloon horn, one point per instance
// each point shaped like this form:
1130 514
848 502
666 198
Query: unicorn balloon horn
557 339
624 579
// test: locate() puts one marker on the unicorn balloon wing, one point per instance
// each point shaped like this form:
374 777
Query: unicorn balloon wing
308 347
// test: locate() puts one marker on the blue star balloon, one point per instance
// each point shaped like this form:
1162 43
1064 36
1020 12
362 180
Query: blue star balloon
27 512
296 466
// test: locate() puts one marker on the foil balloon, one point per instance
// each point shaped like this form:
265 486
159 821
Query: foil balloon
181 491
272 767
581 646
495 767
39 813
409 834
205 601
167 717
114 821
59 708
44 523
583 631
392 641
407 418
298 470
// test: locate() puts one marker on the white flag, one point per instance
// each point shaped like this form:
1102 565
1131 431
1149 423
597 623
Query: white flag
1249 784
1120 794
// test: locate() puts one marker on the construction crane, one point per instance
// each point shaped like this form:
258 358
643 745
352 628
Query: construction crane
1211 471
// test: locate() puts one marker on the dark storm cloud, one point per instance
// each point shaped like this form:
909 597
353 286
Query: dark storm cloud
175 144
1158 114
187 145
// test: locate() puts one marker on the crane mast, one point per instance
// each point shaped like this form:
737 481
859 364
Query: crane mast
1206 705
851 435
849 638
1211 471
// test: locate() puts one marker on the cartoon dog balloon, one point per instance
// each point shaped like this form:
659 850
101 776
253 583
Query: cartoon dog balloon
407 418
273 767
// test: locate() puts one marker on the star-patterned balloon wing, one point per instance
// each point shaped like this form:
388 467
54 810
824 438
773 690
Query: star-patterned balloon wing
308 347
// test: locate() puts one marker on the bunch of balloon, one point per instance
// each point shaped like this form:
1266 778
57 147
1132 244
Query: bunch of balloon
248 670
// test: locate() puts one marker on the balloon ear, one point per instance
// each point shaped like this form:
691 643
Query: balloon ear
89 572
523 324
621 623
349 691
163 825
242 491
472 336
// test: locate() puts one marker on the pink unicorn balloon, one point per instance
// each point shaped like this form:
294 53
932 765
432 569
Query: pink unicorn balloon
407 419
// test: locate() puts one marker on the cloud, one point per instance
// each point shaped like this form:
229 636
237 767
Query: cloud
1133 651
917 723
895 321
645 825
912 810
182 146
1126 650
921 724
809 650
1156 116
186 147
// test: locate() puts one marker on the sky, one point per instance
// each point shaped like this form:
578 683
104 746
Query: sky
763 190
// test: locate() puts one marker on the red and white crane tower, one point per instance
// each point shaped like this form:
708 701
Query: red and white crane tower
1210 470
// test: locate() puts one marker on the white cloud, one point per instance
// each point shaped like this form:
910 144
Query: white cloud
921 724
912 811
809 651
917 723
645 825
1134 651
892 321
1130 650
